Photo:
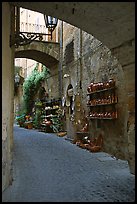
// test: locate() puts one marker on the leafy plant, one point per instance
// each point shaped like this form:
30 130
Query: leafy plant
32 85
20 119
37 119
56 124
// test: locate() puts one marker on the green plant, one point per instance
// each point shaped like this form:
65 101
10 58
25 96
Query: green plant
56 124
32 85
20 119
37 118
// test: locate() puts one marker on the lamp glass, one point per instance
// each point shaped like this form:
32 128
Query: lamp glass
51 22
17 78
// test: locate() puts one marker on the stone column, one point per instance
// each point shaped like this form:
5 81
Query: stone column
7 96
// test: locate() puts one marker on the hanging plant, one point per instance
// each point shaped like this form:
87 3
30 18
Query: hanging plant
32 85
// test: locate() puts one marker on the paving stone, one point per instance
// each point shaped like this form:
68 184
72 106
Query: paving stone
47 168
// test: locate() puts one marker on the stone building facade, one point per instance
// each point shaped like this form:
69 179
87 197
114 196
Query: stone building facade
86 60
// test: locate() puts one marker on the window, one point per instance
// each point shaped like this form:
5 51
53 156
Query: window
69 52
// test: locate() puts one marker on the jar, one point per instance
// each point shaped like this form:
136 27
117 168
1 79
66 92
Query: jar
102 115
107 85
101 85
94 87
109 99
99 101
94 114
97 86
105 101
91 84
89 89
109 115
102 101
113 114
105 115
111 82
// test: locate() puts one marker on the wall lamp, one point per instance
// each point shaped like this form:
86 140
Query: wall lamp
23 38
17 79
51 23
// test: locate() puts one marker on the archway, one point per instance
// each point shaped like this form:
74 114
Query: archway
115 29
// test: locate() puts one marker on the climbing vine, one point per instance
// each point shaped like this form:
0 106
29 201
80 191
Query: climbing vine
32 85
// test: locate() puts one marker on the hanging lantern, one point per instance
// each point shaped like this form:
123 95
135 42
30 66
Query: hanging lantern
17 78
51 22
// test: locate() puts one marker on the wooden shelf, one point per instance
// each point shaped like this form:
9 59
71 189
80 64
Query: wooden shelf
104 104
102 90
49 116
102 118
95 98
82 133
51 109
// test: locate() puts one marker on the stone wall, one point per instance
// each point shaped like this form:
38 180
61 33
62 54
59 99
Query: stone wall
52 83
89 61
126 55
7 98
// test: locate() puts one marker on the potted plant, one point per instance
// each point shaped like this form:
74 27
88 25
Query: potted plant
21 120
28 122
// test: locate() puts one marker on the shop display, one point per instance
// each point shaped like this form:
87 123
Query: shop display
52 115
49 118
85 128
91 144
102 100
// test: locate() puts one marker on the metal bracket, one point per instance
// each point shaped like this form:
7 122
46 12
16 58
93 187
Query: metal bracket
25 38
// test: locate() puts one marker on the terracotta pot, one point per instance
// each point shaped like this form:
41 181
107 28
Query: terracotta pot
89 89
48 123
95 148
111 82
30 125
85 128
94 87
61 134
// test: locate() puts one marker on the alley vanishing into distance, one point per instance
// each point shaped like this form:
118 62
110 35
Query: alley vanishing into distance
48 168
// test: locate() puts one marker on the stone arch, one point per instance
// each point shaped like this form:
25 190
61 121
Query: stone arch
43 52
112 28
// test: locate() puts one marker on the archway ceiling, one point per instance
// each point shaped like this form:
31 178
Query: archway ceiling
113 23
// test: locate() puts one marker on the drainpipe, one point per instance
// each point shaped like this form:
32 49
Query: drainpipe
80 61
60 60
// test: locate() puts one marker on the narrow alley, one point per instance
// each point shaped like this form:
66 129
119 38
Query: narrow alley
48 168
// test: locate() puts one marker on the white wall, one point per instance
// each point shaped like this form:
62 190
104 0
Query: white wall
30 21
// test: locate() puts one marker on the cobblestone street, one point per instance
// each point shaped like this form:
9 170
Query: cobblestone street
48 168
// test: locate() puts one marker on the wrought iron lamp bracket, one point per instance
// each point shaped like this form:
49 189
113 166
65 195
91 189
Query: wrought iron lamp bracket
25 38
